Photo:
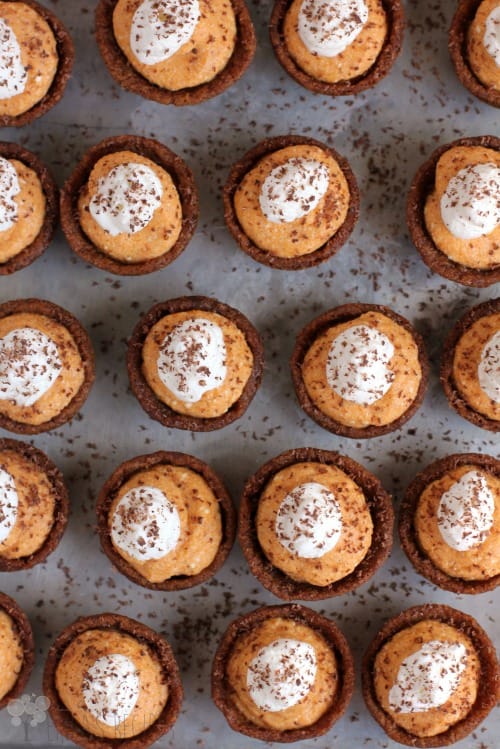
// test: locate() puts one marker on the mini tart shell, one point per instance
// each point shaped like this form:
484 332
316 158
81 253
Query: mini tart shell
63 720
383 64
247 163
143 462
457 46
488 691
145 395
183 180
66 54
23 625
421 188
51 193
221 690
61 510
455 398
272 578
408 535
330 319
124 73
84 345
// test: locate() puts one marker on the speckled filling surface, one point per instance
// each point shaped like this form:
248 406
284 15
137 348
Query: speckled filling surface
386 133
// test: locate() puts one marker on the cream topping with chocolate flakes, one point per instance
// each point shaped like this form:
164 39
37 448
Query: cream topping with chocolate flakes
22 207
9 188
483 44
292 190
328 27
488 371
309 521
110 688
470 205
160 28
466 512
9 502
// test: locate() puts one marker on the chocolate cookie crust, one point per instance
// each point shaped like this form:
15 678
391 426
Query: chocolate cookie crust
63 720
272 578
66 55
457 46
221 691
84 345
330 319
61 510
51 193
421 187
183 180
455 399
143 462
383 64
25 632
146 396
247 163
408 535
124 74
488 686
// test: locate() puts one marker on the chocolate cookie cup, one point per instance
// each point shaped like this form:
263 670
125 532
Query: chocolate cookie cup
61 389
345 314
166 160
467 473
421 188
42 491
150 643
487 679
457 399
130 79
19 645
49 212
378 504
142 464
458 42
65 57
147 397
293 615
379 69
247 163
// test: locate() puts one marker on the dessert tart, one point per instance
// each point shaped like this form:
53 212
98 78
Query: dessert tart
360 370
282 673
17 649
430 676
34 506
30 201
112 681
469 366
449 523
337 47
291 202
453 212
474 48
166 520
314 524
46 366
195 363
33 76
130 207
175 51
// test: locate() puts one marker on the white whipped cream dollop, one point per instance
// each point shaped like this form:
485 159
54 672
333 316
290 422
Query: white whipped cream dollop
328 27
126 199
309 521
192 359
145 524
491 39
488 370
470 205
9 188
13 75
466 512
111 688
281 674
293 189
29 366
357 362
9 502
427 678
161 27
